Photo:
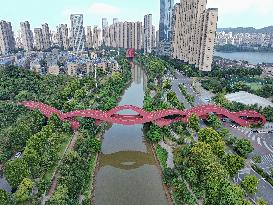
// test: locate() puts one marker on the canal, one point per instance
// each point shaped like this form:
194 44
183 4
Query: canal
128 173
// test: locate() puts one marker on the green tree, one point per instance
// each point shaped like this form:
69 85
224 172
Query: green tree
261 201
24 192
194 123
210 136
214 121
243 147
249 184
60 196
154 134
15 171
4 200
233 163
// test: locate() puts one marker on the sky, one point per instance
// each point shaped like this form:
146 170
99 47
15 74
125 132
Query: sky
232 13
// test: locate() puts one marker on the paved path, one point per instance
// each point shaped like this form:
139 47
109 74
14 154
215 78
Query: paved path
168 148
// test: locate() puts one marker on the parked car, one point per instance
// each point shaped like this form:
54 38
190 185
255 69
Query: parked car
18 155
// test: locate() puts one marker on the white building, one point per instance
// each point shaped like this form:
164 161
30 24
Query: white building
148 27
77 32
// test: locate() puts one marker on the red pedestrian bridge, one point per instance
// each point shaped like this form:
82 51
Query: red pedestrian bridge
160 117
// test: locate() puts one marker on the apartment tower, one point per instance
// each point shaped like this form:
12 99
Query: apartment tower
7 41
89 37
38 39
46 36
26 35
194 30
62 36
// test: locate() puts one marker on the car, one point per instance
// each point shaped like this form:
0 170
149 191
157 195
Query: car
254 131
270 131
18 155
263 132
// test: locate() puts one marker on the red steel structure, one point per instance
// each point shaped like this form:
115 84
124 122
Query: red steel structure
160 117
130 53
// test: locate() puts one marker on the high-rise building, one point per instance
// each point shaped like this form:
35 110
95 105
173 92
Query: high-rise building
194 30
96 37
157 38
77 32
38 39
62 36
104 23
148 33
105 31
46 36
165 25
7 41
153 37
115 20
18 40
27 36
89 37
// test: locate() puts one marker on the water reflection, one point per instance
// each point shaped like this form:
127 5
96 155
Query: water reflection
127 160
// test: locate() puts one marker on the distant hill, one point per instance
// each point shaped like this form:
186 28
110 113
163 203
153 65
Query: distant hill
268 29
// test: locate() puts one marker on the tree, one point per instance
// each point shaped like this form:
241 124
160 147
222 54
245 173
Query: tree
194 123
15 171
243 147
261 201
154 134
249 184
214 121
25 190
4 200
233 163
231 194
210 136
60 196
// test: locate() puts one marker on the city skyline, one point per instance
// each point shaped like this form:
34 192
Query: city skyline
258 14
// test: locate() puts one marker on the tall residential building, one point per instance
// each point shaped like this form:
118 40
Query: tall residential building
157 38
46 36
7 41
89 37
38 39
105 31
104 23
165 25
18 40
148 33
77 32
96 37
62 36
27 36
194 30
115 20
153 37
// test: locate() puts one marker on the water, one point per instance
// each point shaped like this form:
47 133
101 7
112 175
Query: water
251 57
128 174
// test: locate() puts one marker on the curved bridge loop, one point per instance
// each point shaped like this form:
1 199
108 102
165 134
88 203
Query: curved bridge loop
160 118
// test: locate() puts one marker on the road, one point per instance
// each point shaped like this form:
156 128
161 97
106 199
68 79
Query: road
262 143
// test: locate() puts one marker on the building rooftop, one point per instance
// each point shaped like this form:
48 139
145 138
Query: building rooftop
248 99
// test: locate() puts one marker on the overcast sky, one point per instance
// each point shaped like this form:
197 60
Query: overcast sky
232 13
